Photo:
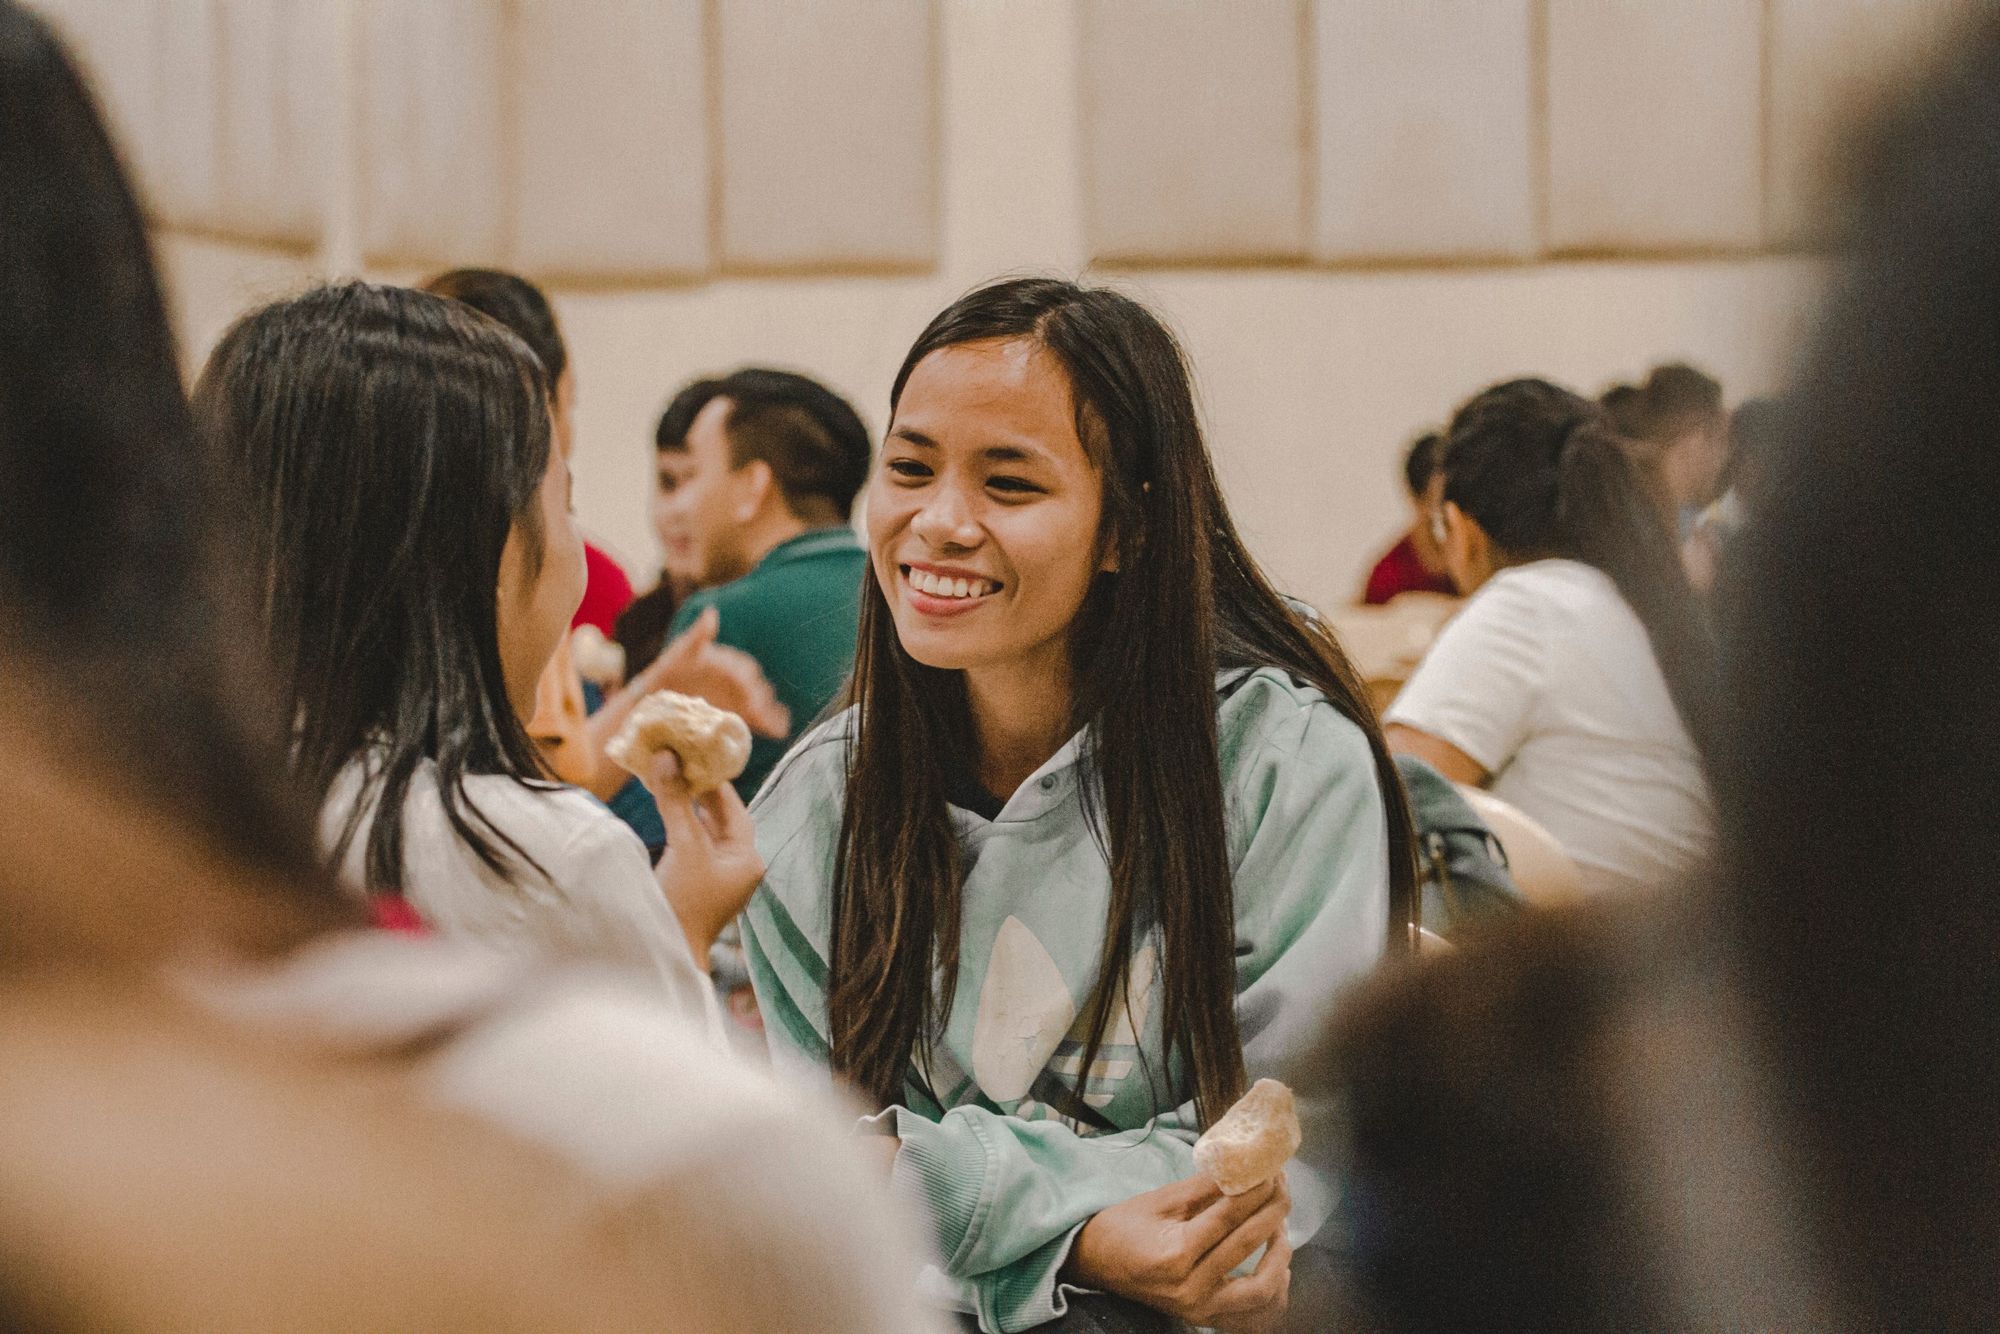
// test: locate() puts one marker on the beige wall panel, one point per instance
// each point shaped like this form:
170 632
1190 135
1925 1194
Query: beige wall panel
1655 124
611 131
828 134
433 162
1423 125
1831 63
278 103
1194 129
186 176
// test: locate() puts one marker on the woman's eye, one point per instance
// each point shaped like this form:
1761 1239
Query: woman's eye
908 468
1019 486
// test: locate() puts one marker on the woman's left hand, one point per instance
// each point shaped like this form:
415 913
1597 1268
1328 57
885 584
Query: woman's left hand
711 863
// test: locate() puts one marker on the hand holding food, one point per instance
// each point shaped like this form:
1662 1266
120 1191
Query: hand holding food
713 745
1253 1142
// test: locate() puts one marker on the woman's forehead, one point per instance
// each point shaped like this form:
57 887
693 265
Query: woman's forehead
988 395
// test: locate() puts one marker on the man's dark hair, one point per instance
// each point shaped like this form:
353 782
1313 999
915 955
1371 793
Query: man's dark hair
1674 398
1625 405
1421 463
517 304
812 438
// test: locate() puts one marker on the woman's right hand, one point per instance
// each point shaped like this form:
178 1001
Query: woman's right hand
1173 1249
711 864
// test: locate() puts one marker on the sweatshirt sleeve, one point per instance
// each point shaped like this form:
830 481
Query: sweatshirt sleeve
1006 1196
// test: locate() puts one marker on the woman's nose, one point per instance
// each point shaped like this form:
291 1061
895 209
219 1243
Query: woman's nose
946 520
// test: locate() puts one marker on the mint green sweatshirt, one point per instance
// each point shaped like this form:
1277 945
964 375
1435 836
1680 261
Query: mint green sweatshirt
1008 1179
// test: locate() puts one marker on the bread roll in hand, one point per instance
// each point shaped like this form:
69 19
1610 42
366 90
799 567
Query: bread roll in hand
1253 1142
713 744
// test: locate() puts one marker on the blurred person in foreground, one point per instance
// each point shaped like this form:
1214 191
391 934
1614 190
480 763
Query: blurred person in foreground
1416 563
1767 1103
419 1134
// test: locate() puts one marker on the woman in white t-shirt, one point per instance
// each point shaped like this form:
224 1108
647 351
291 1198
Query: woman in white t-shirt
1578 681
409 525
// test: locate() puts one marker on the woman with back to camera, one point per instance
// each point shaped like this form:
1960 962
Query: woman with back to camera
1105 830
412 528
1578 681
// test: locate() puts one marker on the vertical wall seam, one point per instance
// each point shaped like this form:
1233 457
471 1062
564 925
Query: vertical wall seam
1541 172
711 79
1309 132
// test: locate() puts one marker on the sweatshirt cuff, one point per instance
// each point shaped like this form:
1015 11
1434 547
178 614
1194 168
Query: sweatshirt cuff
1026 1294
946 1168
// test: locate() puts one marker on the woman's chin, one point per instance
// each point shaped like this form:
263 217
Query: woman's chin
941 650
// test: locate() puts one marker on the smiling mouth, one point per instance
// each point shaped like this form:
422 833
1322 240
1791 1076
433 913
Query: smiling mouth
948 588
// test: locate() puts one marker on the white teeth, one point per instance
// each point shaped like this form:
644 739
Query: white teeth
937 586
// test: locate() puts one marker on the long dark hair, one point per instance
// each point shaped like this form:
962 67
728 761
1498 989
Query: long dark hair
518 305
1539 469
386 442
113 586
1193 603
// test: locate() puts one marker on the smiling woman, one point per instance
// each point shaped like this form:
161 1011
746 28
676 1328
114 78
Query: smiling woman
1101 800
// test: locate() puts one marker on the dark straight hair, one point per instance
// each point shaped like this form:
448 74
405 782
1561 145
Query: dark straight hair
114 587
519 306
813 439
1187 601
386 441
1539 469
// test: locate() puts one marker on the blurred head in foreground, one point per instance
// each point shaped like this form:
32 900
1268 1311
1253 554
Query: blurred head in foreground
1772 1103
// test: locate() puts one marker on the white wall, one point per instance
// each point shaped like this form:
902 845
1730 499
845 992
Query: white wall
1312 379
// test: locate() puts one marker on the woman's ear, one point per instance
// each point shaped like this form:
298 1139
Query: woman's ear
1468 551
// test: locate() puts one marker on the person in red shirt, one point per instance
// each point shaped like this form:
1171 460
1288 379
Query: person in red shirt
521 306
1415 564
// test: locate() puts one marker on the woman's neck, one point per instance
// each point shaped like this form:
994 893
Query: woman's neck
1020 717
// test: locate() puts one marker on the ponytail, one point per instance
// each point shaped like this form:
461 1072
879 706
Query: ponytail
1540 470
1607 518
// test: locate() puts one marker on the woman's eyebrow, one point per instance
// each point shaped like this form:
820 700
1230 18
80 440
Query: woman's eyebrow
997 453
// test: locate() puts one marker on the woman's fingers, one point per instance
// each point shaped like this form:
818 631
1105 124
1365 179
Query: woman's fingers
728 816
676 803
1208 1229
1258 1230
685 649
751 693
1185 1198
1264 1289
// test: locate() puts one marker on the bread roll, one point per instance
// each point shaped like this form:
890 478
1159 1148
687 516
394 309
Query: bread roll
1253 1142
712 743
597 658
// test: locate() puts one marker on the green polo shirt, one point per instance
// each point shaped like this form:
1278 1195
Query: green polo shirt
795 614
